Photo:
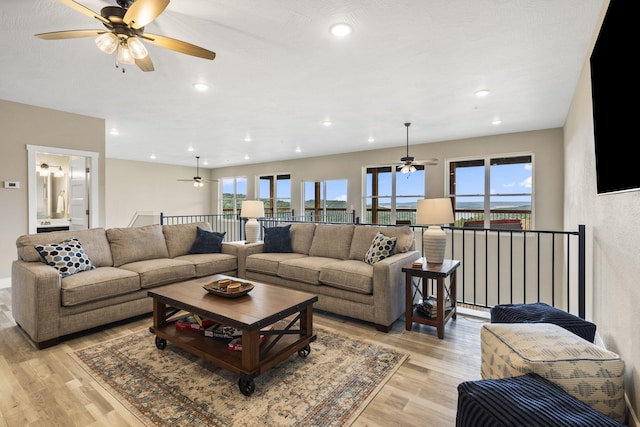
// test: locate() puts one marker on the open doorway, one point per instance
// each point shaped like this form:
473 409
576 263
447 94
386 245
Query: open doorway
63 189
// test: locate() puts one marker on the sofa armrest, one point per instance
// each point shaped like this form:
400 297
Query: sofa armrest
389 287
243 252
36 299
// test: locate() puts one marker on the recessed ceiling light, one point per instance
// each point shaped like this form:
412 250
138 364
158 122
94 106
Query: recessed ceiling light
246 157
200 86
370 140
496 122
205 163
298 150
326 123
152 157
247 139
114 132
341 29
482 92
190 149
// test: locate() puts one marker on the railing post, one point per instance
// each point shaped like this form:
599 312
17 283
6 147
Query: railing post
581 270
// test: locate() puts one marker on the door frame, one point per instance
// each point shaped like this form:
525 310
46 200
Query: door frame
93 187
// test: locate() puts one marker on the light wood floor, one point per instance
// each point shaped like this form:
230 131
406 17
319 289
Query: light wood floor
46 388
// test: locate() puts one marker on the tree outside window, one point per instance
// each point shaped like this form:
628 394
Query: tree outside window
275 192
234 191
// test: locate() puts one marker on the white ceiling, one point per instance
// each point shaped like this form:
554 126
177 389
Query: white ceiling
279 73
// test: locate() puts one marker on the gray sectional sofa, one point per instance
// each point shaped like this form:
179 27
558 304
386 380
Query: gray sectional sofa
324 259
328 261
126 263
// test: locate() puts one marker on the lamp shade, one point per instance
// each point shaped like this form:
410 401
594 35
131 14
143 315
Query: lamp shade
252 209
434 212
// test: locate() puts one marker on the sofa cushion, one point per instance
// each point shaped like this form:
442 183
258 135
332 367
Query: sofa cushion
68 256
208 264
364 234
267 263
207 242
381 247
332 241
100 283
584 370
126 247
277 239
302 237
526 400
305 269
94 241
350 275
160 271
180 237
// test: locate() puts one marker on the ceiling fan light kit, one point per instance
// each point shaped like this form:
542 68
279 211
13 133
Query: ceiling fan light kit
125 27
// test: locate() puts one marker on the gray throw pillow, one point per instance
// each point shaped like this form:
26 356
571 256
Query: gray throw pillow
277 239
207 242
381 247
68 256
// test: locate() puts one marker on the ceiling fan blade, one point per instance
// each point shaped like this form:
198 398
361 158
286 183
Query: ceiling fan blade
142 12
145 63
71 34
427 162
84 10
178 46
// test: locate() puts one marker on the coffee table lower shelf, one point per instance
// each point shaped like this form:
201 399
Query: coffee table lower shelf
216 351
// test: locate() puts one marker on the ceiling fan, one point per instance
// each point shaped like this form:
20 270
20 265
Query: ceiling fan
197 180
408 162
124 29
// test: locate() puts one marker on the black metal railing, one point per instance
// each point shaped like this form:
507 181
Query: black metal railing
498 265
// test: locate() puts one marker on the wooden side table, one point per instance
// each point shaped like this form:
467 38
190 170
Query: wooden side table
438 272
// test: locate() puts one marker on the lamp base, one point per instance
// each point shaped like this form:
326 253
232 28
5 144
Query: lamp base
434 243
252 230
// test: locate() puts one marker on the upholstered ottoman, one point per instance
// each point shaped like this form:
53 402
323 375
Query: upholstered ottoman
527 400
588 372
539 312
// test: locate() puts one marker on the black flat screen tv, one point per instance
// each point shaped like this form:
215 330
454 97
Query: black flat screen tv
614 88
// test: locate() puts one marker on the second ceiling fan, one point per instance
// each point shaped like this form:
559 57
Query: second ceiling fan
124 31
197 180
408 162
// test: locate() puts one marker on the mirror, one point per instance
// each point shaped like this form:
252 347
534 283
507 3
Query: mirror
52 185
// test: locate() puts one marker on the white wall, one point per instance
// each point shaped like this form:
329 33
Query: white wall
23 125
151 187
613 234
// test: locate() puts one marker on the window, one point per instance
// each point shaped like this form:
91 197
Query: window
391 197
492 192
234 191
326 201
275 191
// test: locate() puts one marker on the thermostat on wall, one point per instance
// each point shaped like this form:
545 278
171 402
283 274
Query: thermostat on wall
12 184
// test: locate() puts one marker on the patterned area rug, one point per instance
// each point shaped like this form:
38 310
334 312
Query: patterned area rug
330 387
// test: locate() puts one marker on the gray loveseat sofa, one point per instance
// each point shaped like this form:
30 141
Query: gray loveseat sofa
127 262
328 261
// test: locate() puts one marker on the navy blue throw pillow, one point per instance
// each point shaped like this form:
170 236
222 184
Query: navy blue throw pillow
207 242
277 239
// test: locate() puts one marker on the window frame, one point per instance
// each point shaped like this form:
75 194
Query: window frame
488 215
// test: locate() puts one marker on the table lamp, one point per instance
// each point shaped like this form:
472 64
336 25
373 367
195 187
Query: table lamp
434 213
252 209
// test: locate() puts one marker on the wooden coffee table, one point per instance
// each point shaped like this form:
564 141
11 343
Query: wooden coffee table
265 305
